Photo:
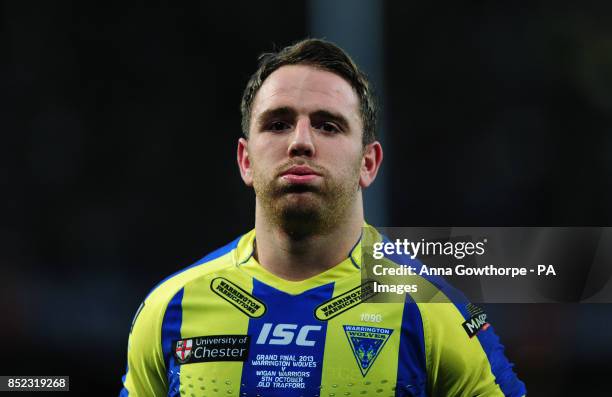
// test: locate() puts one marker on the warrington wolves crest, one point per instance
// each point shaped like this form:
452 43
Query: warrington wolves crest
366 343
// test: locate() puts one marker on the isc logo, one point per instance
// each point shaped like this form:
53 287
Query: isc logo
283 334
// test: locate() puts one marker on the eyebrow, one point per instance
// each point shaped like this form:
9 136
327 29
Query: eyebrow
335 117
285 112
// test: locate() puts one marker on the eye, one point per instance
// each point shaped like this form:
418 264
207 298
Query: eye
328 127
277 126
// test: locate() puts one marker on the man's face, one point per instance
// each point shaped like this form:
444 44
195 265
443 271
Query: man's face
304 156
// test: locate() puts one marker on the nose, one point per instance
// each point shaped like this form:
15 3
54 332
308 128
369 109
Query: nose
301 143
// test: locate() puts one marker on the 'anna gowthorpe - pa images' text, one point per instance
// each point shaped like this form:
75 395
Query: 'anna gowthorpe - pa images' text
406 260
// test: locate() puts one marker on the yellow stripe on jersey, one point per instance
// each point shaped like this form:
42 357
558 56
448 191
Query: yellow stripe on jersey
205 315
342 375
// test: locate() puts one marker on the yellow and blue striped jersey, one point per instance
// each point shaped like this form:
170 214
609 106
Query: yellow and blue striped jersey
225 326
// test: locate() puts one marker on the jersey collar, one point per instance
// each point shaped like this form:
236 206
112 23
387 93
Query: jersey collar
243 258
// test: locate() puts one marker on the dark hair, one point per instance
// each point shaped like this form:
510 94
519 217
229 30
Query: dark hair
319 54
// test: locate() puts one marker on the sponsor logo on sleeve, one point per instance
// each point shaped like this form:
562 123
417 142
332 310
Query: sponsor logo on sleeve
346 301
477 321
238 297
202 349
366 344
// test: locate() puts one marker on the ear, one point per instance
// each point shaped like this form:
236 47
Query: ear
370 163
244 162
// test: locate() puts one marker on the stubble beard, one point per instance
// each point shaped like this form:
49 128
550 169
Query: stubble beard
302 211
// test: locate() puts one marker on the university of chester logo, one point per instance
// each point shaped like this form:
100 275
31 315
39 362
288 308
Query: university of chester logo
200 349
366 344
183 350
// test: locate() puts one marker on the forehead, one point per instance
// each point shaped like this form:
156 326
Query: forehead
306 88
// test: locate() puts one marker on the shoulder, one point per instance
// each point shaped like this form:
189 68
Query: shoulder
220 258
155 323
147 323
153 307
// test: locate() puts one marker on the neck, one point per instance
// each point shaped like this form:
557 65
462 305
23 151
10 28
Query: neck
298 259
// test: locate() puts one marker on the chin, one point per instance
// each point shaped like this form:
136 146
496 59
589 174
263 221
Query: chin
300 207
304 215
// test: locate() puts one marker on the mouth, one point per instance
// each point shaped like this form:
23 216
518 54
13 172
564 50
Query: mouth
300 174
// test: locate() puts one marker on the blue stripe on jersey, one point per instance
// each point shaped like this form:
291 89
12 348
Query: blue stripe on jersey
277 332
500 366
171 331
217 253
213 255
412 370
124 392
350 255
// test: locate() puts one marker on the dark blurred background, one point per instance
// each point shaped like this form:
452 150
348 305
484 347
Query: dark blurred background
119 127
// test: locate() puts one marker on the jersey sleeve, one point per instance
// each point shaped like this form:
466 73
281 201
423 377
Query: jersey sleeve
145 373
157 324
464 356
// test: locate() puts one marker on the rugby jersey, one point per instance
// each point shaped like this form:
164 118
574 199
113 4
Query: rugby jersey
225 326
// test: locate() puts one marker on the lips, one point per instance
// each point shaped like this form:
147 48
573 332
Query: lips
300 170
300 174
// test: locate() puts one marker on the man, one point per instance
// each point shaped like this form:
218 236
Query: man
283 309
